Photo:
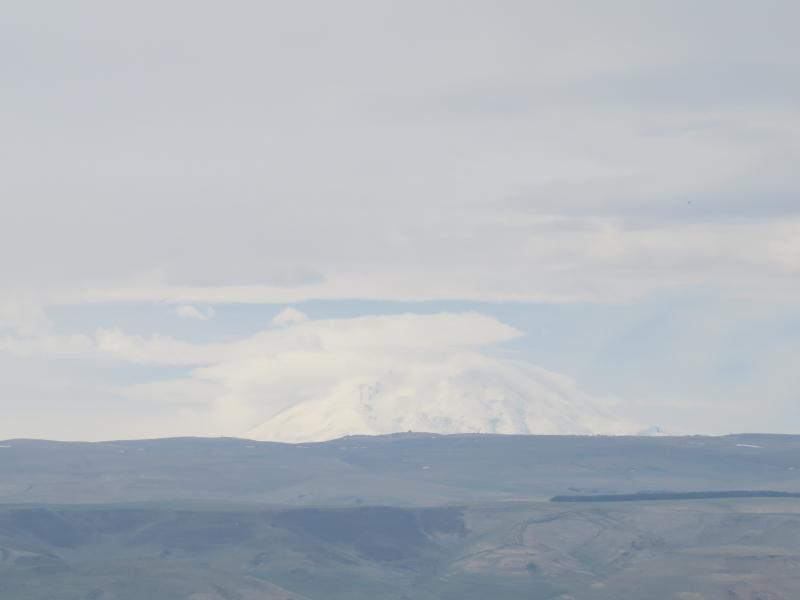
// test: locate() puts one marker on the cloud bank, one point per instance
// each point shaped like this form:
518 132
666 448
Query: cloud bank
524 151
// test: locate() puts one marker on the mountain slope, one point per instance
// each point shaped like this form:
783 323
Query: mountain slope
471 395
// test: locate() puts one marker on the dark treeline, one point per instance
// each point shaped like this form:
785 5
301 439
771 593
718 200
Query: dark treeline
676 496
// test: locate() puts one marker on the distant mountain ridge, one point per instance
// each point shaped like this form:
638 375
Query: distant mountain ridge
399 469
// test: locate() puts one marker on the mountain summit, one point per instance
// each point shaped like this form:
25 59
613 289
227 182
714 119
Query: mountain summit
501 397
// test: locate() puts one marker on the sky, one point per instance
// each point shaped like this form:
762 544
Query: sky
206 205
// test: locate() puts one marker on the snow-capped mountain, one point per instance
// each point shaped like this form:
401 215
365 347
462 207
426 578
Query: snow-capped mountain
468 395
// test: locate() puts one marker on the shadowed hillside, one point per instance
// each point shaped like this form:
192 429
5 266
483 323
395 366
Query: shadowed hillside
732 549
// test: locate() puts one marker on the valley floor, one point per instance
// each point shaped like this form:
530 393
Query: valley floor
743 549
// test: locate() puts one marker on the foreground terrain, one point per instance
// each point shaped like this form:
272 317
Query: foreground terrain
412 516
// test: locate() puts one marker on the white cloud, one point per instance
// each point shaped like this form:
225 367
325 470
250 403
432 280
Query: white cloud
514 255
189 311
409 332
535 141
22 314
288 317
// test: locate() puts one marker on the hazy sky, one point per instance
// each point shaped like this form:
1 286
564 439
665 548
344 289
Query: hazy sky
604 190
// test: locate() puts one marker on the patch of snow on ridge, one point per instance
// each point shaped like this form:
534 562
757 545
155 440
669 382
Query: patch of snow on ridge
658 431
